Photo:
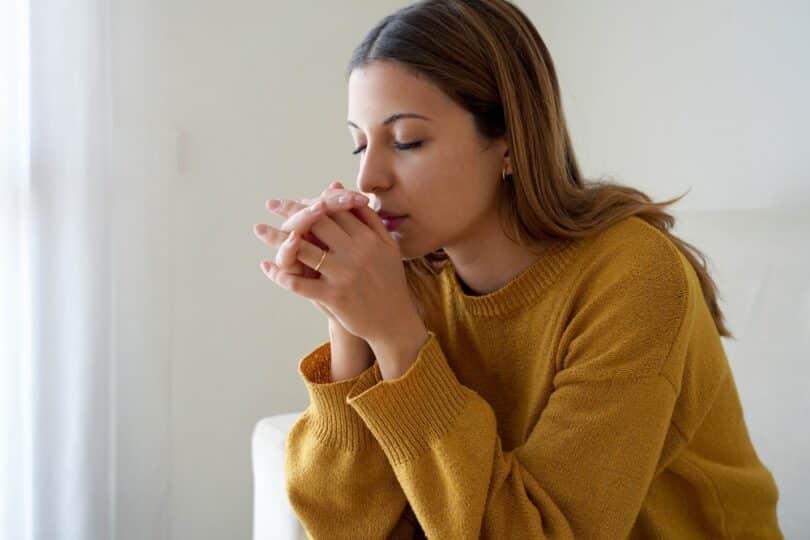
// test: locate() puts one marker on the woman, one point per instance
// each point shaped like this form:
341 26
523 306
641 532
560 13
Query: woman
525 354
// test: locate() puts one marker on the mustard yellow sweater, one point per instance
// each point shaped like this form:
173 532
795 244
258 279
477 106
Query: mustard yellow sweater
588 398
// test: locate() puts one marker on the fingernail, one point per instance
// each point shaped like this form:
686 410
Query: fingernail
261 228
273 203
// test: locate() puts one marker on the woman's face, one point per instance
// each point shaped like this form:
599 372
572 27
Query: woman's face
445 183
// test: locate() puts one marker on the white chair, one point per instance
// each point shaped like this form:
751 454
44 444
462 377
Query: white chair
760 260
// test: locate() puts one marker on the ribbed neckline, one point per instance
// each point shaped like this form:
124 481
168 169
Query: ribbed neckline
524 289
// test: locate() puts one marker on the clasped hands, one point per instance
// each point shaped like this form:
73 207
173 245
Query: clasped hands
361 283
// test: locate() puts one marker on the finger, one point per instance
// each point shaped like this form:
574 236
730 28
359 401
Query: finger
311 238
271 236
275 238
335 230
314 218
348 221
287 248
314 289
310 255
298 268
275 273
288 207
372 219
333 185
287 251
284 207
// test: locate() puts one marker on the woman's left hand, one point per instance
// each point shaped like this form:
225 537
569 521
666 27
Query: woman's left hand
362 282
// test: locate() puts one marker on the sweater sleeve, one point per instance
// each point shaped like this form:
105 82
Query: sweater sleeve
338 481
586 465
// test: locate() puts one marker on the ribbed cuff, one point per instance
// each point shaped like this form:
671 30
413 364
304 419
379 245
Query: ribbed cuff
407 413
335 422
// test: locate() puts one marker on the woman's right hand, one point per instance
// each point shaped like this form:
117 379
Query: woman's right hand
351 355
300 220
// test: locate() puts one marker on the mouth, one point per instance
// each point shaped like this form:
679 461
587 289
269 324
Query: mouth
393 222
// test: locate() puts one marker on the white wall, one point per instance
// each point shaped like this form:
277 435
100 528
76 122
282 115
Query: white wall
223 105
219 106
672 95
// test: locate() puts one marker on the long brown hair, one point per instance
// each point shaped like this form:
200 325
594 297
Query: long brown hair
488 57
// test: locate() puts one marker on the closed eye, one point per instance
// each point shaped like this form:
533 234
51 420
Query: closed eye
399 146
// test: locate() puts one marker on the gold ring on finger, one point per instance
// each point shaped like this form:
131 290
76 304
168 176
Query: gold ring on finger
321 261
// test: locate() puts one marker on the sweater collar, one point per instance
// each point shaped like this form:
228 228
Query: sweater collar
522 290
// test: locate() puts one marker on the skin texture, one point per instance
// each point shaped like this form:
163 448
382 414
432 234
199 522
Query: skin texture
440 173
307 224
362 285
447 186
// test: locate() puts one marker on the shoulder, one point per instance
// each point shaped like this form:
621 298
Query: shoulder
630 300
633 251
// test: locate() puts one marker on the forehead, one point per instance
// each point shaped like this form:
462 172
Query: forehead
381 89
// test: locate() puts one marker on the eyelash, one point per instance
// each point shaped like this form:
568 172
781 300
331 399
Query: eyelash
403 146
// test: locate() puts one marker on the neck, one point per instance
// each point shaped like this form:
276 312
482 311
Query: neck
490 262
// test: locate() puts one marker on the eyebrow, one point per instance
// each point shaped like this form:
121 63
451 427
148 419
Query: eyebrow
393 118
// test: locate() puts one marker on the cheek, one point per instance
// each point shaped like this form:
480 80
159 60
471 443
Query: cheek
443 188
446 211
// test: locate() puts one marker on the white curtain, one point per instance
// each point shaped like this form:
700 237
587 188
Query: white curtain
61 261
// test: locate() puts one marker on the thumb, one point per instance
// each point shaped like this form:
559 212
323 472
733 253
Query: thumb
372 219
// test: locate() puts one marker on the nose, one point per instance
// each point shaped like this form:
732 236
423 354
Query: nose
375 173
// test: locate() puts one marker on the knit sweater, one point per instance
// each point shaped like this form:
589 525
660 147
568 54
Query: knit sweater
590 397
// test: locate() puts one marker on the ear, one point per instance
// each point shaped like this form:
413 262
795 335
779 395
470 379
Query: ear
507 162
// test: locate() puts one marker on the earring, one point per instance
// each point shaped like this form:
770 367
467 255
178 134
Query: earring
503 174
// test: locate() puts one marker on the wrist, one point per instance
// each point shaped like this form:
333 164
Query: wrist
397 354
350 355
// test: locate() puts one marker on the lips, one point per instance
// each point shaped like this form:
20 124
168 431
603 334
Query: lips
388 215
392 223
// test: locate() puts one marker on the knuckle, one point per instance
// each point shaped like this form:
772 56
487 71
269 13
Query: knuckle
293 222
271 237
279 236
293 285
289 206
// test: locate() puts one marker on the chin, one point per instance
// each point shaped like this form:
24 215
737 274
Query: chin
409 252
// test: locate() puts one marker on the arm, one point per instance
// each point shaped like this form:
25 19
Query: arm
585 468
338 480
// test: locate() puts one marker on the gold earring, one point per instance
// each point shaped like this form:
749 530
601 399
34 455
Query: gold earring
503 174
